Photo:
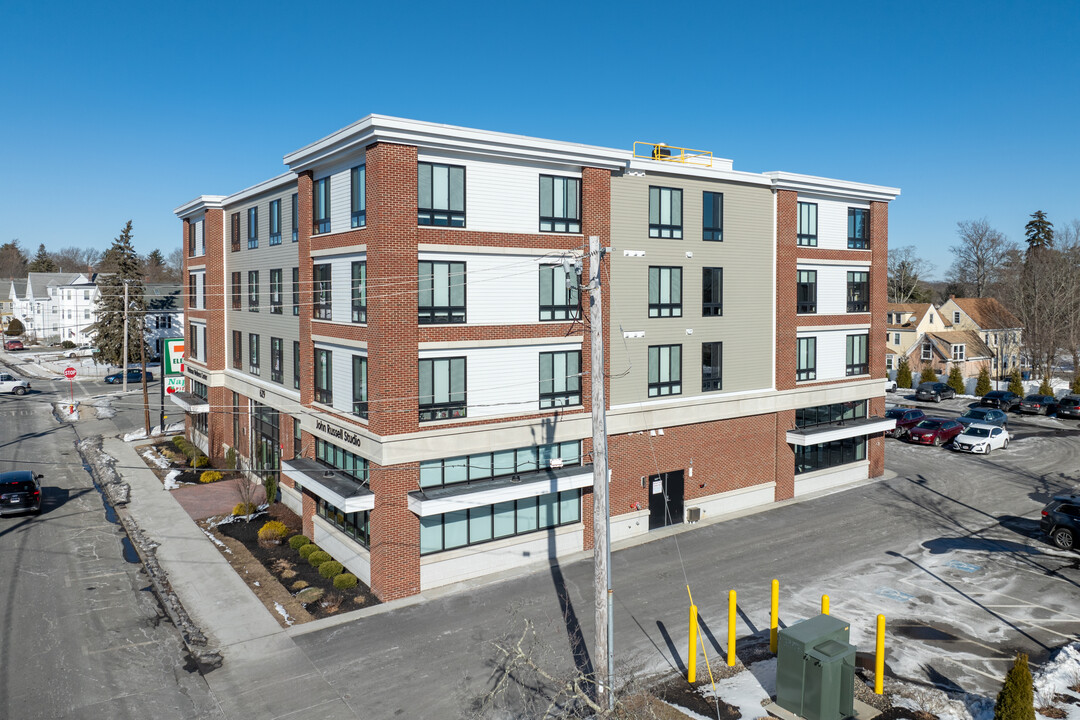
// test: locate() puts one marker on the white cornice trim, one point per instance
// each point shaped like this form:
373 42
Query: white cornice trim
265 186
199 204
829 186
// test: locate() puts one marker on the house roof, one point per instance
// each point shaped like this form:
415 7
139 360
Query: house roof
919 309
20 287
163 296
988 313
39 283
975 349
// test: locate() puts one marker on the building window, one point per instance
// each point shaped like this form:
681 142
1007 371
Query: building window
830 414
442 389
275 222
277 360
191 239
358 182
296 291
359 292
827 455
321 203
858 228
665 292
359 386
896 339
807 292
295 218
324 376
193 293
712 216
442 292
297 442
927 352
858 292
889 362
253 353
296 364
807 232
253 290
275 291
351 464
665 212
440 195
560 379
959 352
956 316
712 292
356 525
557 300
665 370
712 366
479 525
234 231
253 228
560 204
237 349
806 358
857 354
236 421
322 297
237 293
483 467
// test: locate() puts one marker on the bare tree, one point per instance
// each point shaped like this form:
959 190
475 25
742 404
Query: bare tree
175 264
1068 238
980 256
1039 292
75 259
906 269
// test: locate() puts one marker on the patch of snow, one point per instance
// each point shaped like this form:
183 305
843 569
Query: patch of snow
170 480
104 408
257 584
154 432
1056 677
283 613
936 702
157 460
217 542
747 689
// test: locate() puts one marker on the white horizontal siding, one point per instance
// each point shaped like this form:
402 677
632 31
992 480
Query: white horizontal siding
831 353
340 283
832 286
832 220
341 374
340 201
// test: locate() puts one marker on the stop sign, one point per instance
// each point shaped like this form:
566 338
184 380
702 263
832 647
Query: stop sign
69 372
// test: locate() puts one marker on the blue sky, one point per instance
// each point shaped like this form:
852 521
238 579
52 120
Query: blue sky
127 110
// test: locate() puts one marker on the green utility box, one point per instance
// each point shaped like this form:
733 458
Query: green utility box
815 669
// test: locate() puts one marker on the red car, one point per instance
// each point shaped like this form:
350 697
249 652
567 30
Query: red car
13 345
906 418
935 431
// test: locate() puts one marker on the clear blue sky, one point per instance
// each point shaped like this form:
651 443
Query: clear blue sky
126 110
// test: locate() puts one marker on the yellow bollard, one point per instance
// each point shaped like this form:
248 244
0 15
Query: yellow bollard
879 657
824 604
774 615
691 663
732 604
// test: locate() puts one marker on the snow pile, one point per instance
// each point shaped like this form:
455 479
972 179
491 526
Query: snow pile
937 702
283 613
154 432
746 690
170 480
151 456
1057 677
104 408
217 542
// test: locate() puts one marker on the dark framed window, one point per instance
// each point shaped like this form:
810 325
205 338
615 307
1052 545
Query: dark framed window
712 366
440 195
479 525
807 292
830 414
236 421
712 216
442 292
806 358
324 376
253 228
237 293
338 458
237 350
665 212
275 291
359 386
858 292
482 467
665 370
857 363
560 379
442 389
321 205
277 360
557 300
296 364
253 354
323 308
234 231
191 238
296 291
828 455
356 525
253 290
858 228
807 232
712 292
665 292
193 343
359 292
275 222
193 292
560 204
358 199
297 440
295 218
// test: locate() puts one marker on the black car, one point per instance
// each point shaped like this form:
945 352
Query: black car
933 391
133 376
20 492
1061 520
1001 399
1069 406
1038 404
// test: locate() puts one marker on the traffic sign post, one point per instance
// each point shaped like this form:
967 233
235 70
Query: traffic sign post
70 373
172 371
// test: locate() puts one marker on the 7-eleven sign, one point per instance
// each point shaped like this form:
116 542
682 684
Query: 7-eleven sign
173 362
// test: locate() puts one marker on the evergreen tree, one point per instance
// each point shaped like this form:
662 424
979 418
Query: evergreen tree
155 269
1016 701
928 374
12 260
982 385
42 262
956 379
14 328
108 331
1039 232
1016 384
1076 385
1045 388
903 374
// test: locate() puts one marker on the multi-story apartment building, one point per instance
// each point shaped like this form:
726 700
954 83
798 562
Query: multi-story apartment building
54 307
390 324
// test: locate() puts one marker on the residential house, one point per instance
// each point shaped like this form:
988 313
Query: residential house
55 306
998 329
905 325
164 314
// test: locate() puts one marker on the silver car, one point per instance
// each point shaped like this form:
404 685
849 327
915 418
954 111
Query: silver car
11 384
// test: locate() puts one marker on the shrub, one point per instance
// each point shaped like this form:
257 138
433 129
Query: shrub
297 541
310 595
298 585
903 373
230 458
273 532
306 550
180 443
1016 384
202 461
928 374
956 380
1016 701
270 486
330 569
211 476
318 557
1075 388
1044 387
344 581
67 345
982 385
240 509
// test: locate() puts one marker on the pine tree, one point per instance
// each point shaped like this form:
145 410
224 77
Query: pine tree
1039 232
928 374
42 262
903 373
1075 385
1016 384
109 329
14 328
1045 388
12 260
1016 701
956 379
154 268
982 385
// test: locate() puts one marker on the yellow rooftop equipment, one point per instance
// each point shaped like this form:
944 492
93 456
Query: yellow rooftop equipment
671 153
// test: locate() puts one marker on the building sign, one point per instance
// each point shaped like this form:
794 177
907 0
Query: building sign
196 373
173 363
174 384
340 433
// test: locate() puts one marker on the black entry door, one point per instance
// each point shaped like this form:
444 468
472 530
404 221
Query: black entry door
665 499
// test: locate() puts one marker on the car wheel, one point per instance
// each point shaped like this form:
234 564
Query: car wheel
1005 445
1063 538
937 398
988 449
20 391
938 441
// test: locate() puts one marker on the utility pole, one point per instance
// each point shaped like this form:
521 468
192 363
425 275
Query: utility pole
142 357
604 665
124 359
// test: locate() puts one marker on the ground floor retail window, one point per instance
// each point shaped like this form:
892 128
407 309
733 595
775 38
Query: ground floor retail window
500 463
829 414
491 522
830 454
356 525
339 459
200 421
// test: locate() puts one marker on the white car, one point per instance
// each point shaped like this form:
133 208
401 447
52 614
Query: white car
11 384
81 351
980 438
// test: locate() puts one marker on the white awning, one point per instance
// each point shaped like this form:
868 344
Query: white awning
190 402
828 433
333 486
471 496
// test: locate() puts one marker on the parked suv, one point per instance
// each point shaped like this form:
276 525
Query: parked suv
1038 404
11 384
1069 406
934 391
20 491
1001 399
1061 520
906 418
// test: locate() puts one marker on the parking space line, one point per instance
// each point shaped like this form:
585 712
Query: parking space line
995 678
